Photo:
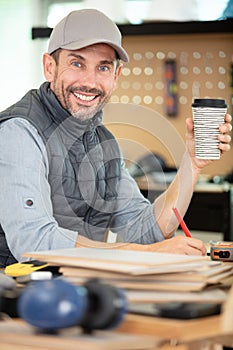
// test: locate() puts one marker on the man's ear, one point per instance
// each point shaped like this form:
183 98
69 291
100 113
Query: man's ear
117 74
118 71
49 65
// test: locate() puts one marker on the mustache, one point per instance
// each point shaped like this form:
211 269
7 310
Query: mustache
85 89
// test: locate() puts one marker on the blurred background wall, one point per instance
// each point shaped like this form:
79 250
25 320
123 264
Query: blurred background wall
202 64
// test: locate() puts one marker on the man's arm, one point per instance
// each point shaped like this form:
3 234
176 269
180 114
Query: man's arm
180 192
177 195
26 213
176 245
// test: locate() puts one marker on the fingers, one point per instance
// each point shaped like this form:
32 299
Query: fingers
190 246
224 145
225 128
228 118
197 246
180 245
189 124
224 137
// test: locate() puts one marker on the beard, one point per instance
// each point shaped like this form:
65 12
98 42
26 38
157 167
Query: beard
78 110
83 112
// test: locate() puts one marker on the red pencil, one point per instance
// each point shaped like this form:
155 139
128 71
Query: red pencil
182 223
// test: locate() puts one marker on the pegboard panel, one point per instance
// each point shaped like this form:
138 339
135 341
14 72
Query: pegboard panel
202 70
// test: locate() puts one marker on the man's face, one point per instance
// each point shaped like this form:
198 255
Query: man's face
84 79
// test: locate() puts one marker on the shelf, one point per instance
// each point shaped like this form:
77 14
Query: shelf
159 28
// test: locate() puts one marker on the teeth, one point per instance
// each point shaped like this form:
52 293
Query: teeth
84 97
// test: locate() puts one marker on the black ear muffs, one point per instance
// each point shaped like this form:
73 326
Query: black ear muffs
106 308
54 304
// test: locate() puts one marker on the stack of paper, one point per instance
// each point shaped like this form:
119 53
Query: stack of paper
145 276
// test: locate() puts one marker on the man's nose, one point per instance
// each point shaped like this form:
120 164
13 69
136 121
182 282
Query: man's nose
89 77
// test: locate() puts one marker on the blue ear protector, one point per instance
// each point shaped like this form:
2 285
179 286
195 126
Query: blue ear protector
54 304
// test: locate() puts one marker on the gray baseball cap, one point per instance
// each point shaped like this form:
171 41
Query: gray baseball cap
84 28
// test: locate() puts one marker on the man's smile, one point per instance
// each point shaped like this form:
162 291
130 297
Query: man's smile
85 98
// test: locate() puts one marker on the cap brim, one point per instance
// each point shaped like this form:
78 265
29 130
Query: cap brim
81 44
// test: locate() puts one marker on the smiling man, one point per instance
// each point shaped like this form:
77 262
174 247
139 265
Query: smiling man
63 181
84 79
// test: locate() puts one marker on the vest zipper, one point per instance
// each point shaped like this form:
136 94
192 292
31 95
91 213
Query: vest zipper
90 209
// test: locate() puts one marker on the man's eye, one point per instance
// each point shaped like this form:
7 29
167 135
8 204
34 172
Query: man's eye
76 64
104 68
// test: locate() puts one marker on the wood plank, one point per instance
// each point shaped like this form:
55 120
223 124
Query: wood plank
19 335
181 330
194 272
118 256
215 295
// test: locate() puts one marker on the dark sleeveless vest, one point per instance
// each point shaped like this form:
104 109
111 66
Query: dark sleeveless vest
84 165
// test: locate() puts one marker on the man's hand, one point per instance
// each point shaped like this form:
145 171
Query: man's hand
175 245
180 245
224 139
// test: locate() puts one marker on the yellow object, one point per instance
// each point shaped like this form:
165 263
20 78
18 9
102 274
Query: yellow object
21 269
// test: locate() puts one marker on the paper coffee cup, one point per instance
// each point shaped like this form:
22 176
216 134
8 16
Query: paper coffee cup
208 114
